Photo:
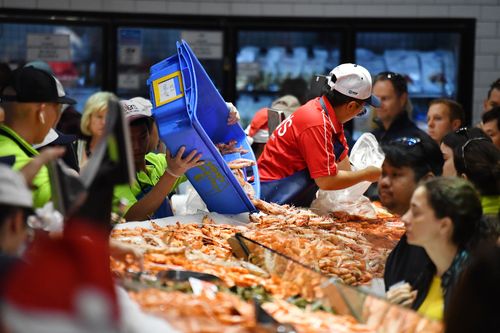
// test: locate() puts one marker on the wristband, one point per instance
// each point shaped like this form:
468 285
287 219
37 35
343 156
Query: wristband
171 173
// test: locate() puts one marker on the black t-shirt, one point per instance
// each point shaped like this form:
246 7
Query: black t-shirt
402 126
406 263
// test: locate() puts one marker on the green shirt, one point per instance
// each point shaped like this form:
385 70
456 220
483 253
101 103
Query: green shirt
155 167
12 144
490 204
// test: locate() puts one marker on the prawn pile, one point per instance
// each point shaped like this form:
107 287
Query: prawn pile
351 248
348 247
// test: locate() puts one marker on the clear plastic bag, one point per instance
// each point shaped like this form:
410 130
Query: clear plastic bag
366 152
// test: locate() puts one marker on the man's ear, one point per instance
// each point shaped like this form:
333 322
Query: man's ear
455 124
464 176
428 176
15 222
403 99
40 111
446 227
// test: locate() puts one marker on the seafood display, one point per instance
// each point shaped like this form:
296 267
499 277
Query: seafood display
218 312
199 248
290 255
351 248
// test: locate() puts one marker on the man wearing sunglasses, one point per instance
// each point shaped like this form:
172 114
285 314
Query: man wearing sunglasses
308 150
392 118
408 161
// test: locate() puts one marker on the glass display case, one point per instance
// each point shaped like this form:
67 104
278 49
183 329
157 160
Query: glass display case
248 60
428 60
138 48
365 307
267 60
73 51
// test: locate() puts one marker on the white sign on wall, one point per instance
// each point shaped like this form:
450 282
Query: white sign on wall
129 46
205 44
48 47
129 81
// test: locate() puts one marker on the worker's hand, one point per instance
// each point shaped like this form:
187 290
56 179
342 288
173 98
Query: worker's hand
177 166
234 115
51 153
30 170
372 173
401 294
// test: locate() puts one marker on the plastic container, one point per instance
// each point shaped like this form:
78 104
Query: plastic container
190 112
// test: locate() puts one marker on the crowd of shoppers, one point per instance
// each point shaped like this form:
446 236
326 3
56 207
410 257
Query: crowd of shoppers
448 219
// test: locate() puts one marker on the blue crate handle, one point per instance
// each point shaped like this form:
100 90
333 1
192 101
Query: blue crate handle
187 77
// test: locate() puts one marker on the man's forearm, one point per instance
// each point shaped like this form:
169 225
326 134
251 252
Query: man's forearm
342 180
152 200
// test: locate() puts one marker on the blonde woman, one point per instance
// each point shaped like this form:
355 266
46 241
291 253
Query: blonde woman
93 123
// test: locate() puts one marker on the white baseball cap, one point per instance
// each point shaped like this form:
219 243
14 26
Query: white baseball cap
354 81
13 188
137 107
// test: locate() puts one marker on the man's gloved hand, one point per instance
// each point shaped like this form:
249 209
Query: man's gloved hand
402 294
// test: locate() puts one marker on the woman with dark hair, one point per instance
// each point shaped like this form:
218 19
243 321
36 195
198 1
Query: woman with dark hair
443 217
457 139
478 160
469 153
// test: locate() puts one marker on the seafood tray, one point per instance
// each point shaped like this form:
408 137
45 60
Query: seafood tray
374 313
289 291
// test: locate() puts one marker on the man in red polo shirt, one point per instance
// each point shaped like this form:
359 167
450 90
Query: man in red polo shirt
309 150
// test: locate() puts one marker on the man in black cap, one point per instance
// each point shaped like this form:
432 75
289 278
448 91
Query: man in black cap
32 102
58 137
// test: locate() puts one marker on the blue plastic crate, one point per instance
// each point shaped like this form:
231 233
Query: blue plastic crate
190 112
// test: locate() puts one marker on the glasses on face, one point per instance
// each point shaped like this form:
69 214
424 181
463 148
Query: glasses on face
407 141
466 144
364 109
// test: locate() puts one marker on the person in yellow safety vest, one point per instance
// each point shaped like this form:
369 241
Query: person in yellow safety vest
32 101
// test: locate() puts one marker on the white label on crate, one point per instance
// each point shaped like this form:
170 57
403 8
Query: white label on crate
48 47
167 90
205 44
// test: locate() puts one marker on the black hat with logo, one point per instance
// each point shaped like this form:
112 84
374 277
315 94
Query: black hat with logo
33 85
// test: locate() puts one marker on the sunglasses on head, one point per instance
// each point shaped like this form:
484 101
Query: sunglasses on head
407 141
464 131
398 80
466 144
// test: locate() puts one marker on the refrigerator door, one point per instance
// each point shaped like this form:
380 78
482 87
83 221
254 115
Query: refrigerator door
73 52
428 60
271 63
138 48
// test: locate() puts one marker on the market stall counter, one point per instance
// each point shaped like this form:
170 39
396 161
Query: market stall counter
291 291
